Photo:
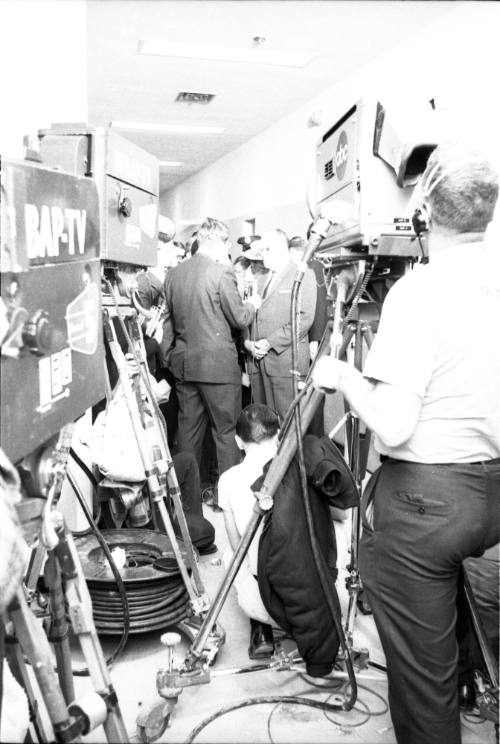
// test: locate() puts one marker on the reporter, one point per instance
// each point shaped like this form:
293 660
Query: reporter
430 392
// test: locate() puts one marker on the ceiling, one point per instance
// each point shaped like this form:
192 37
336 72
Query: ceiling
124 85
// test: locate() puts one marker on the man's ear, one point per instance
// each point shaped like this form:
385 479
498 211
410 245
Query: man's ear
239 442
421 219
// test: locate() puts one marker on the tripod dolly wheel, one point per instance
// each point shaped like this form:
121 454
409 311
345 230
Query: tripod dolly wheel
154 722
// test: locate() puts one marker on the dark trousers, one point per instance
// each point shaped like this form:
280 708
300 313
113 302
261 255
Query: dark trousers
275 392
419 523
188 476
216 404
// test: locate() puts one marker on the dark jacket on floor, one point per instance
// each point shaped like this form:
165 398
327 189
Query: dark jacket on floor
288 578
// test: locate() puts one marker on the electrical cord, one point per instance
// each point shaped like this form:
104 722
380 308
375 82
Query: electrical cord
338 722
323 574
322 705
116 573
469 717
90 475
259 701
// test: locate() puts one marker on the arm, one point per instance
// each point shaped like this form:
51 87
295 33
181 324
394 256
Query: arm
231 529
238 314
388 410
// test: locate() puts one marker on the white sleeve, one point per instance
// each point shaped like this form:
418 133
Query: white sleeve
224 490
402 353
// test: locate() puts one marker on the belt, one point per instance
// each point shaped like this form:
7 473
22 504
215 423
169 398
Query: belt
493 461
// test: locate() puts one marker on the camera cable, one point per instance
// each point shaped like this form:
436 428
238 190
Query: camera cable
278 700
323 572
116 573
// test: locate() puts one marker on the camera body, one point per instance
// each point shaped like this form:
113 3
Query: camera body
127 180
372 160
87 197
52 355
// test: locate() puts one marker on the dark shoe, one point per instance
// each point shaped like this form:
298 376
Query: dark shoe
210 497
261 640
466 697
362 604
208 550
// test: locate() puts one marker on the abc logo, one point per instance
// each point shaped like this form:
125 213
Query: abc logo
341 155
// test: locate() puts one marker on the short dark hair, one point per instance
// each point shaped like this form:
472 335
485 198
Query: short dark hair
211 228
460 186
257 423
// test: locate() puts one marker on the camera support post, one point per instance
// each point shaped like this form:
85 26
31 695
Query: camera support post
158 465
69 719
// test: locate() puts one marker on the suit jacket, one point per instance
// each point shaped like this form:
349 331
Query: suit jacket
203 305
272 321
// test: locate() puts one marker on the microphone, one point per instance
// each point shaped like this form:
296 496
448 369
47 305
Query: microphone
332 213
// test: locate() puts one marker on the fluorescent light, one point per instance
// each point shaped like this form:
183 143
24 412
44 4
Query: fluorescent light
256 54
149 126
169 163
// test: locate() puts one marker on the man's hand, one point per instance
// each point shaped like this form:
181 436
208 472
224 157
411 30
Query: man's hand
262 346
257 349
330 373
255 300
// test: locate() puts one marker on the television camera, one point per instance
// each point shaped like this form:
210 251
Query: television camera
372 159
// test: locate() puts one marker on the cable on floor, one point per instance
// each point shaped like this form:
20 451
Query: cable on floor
294 700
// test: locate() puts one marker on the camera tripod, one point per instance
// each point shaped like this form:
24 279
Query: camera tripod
69 718
158 466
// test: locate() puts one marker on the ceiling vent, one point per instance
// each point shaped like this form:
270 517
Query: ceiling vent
187 97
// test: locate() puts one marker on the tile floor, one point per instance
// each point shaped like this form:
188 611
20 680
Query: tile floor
134 679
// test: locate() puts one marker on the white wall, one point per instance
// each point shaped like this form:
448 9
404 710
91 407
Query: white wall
454 60
43 59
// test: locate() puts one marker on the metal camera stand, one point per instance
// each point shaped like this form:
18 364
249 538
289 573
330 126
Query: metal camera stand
26 639
158 466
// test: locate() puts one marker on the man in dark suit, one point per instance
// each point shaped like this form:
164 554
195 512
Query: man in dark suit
269 338
203 305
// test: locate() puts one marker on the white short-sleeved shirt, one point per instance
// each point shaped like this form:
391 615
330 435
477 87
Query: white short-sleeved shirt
235 495
438 337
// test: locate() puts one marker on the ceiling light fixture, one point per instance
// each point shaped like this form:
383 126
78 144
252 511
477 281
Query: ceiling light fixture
169 163
149 126
255 54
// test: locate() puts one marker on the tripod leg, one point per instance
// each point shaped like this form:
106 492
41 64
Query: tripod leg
158 422
155 489
210 618
15 658
35 645
59 628
80 612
